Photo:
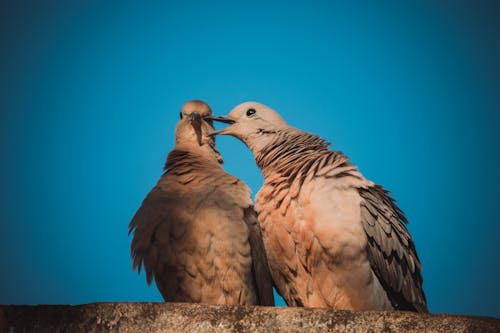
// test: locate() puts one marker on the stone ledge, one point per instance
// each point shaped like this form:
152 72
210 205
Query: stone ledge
182 317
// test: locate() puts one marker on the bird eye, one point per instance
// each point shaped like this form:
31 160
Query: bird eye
250 112
180 115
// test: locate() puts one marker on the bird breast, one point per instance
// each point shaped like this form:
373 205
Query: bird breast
317 243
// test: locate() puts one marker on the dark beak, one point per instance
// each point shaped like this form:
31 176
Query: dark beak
222 119
195 119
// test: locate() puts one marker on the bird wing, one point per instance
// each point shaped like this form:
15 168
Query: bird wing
260 264
154 219
391 250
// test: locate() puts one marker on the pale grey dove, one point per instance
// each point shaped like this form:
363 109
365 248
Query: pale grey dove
333 238
196 233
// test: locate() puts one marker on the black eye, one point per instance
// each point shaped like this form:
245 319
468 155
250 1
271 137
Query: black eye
180 115
250 112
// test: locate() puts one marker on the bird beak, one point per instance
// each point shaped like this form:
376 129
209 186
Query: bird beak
195 119
222 119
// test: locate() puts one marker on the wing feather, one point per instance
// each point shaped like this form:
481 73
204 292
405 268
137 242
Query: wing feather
153 227
262 275
391 250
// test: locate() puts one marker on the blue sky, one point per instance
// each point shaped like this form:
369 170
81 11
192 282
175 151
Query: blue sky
90 94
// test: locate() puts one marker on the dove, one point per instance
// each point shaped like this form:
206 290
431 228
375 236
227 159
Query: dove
334 239
196 232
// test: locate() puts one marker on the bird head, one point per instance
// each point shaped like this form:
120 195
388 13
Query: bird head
253 123
194 124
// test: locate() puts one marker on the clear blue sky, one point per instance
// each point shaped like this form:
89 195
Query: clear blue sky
90 94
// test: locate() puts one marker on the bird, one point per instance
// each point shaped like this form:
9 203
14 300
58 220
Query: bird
334 239
196 232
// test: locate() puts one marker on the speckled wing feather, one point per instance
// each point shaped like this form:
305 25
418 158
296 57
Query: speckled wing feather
391 250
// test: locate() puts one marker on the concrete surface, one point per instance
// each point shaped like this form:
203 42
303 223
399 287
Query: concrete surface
183 317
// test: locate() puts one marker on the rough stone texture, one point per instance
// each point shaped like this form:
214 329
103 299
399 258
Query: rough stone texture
181 317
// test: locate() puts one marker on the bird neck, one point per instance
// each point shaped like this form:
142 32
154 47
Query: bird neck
181 160
288 146
293 152
206 151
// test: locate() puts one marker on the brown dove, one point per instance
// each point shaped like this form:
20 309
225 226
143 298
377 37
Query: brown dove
196 233
333 238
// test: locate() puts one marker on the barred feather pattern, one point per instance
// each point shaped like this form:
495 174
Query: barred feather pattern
292 161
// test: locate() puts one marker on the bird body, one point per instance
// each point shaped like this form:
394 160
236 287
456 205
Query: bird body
196 232
333 238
